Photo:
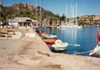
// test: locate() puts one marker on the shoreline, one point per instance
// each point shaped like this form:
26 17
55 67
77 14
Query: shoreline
33 54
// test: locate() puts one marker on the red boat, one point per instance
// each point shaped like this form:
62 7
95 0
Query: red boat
49 41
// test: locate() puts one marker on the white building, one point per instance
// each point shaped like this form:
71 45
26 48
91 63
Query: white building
22 21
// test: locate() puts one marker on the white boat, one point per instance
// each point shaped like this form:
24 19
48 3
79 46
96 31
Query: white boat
56 47
95 52
70 26
49 36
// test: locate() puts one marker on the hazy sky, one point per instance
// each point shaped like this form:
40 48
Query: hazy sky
85 7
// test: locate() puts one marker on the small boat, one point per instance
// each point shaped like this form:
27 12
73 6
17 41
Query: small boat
62 47
42 36
49 41
49 36
96 51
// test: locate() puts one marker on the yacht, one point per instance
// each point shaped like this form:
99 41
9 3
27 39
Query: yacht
70 26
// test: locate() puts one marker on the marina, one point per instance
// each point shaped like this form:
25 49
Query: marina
50 35
82 40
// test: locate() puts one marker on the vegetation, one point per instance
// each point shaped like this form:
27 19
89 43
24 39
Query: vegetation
24 10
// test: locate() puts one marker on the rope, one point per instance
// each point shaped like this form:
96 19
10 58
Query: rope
82 52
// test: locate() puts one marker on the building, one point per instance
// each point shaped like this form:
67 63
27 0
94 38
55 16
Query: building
22 22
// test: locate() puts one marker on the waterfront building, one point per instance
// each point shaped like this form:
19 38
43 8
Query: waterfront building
22 22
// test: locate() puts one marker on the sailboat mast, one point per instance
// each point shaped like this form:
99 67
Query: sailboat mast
36 8
66 13
76 13
40 14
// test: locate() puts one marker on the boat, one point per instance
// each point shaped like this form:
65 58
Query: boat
70 26
49 36
49 41
96 51
56 47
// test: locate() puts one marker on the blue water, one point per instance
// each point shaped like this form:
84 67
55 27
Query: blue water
86 37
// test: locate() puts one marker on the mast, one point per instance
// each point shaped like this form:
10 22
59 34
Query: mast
71 12
40 14
76 13
36 9
66 13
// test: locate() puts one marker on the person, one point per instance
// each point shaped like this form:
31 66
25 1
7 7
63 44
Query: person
58 42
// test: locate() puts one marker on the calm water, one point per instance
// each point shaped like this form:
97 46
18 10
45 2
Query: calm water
86 37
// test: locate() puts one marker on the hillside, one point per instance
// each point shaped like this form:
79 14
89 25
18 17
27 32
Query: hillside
24 10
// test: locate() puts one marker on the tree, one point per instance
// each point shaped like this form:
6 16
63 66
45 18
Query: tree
63 18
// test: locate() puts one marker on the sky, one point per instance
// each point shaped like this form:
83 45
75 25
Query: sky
84 7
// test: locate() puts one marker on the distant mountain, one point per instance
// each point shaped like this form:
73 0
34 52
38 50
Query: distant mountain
24 10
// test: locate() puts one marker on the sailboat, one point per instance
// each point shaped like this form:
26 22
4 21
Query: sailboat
96 51
71 25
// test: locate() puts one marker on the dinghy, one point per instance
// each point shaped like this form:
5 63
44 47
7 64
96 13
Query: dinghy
62 47
59 45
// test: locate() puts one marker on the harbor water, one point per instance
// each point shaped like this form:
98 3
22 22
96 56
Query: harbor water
85 37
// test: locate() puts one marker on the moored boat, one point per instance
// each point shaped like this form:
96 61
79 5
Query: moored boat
70 26
49 41
62 47
49 36
96 51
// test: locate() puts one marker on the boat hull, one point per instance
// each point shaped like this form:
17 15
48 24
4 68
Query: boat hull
95 52
49 41
49 36
57 48
70 26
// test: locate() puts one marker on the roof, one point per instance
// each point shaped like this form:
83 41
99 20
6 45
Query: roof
21 19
